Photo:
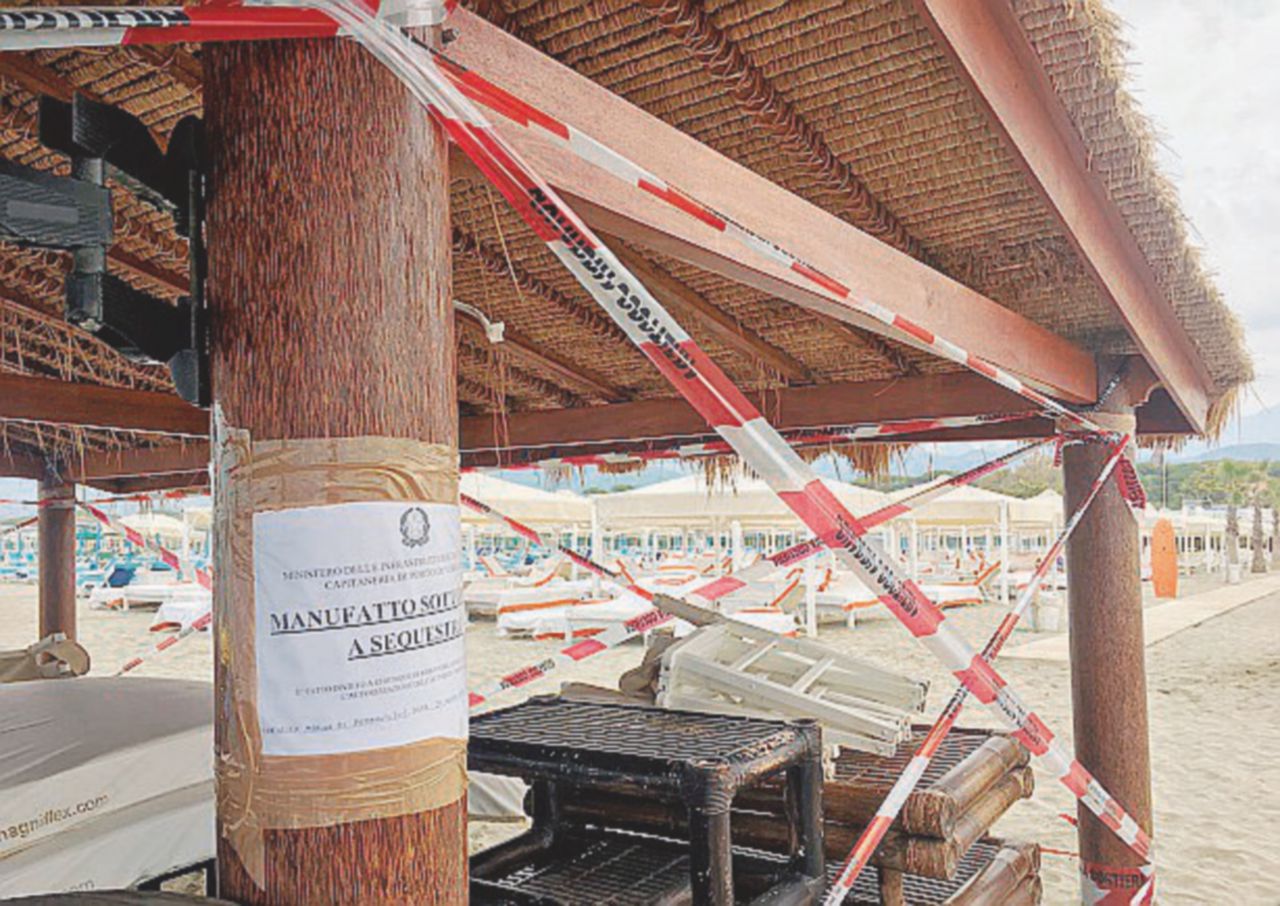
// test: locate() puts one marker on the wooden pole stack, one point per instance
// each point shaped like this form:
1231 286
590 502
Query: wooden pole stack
56 535
329 280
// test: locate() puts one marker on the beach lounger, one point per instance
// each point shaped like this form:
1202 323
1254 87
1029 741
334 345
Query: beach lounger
106 782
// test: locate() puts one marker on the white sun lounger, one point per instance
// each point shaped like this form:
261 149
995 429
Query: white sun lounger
104 783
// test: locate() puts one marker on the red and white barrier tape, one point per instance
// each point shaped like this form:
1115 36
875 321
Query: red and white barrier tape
707 594
203 576
220 21
528 457
196 625
38 28
103 501
893 803
647 323
444 88
726 585
608 638
18 526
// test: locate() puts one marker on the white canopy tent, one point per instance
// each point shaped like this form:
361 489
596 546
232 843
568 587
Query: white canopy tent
527 504
689 502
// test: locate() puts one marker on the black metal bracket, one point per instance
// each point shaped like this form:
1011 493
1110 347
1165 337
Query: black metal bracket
74 214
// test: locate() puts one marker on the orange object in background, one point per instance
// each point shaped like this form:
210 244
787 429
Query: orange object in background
1164 560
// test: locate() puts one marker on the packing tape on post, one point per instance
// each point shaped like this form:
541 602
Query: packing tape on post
341 778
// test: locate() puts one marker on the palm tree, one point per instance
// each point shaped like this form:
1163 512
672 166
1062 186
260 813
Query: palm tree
1233 483
1259 492
1273 492
1259 562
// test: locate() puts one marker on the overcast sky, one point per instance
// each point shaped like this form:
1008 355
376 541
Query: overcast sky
1205 72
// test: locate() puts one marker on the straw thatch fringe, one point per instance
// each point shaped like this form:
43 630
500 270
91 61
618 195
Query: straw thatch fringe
872 460
1081 46
621 468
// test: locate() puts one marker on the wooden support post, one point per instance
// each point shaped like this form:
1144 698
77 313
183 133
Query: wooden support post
56 531
329 278
1108 670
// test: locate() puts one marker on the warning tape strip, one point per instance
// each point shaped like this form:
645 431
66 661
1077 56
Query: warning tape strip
445 89
203 576
875 830
196 625
527 457
226 21
726 585
103 501
18 526
608 638
648 324
38 28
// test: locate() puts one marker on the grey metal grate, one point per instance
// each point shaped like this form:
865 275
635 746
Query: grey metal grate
880 770
660 737
919 891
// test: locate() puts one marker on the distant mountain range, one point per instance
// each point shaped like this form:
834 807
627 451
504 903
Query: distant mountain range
1254 437
1246 452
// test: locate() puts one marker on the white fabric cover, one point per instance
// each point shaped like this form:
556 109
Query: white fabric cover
104 782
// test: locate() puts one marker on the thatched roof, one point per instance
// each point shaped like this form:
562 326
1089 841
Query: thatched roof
875 127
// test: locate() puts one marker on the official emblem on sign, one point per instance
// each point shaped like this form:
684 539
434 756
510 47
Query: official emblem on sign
415 527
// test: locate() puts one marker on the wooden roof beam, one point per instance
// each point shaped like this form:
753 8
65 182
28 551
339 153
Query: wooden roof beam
174 459
626 425
692 306
518 382
37 399
19 465
523 349
991 52
875 270
148 483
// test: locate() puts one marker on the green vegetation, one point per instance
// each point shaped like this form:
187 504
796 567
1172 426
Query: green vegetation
1223 481
1025 479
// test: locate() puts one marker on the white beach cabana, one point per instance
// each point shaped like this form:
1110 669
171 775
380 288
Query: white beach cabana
690 509
689 502
527 504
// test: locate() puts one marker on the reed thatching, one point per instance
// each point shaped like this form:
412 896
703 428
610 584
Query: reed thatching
851 106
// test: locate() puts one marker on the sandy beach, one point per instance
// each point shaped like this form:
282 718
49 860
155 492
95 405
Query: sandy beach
1215 722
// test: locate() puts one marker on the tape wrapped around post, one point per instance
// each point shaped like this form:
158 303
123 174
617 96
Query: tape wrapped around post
257 791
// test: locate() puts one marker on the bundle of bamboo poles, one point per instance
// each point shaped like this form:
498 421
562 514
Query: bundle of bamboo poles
977 776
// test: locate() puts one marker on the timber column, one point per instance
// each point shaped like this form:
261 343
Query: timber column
341 754
56 534
1108 667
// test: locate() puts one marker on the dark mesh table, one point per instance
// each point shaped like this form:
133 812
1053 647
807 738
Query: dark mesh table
571 748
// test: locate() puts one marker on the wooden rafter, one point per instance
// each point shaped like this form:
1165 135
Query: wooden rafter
54 346
20 464
38 399
171 459
194 481
875 270
990 51
618 426
690 304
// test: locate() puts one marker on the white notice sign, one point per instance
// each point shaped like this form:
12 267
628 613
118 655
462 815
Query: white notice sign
359 626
